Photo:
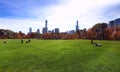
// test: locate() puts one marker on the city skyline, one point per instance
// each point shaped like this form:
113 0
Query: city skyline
19 15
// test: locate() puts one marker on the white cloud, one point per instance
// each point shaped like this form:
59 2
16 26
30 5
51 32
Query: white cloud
20 24
86 11
63 15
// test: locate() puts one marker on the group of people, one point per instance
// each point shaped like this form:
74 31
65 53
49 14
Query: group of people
28 41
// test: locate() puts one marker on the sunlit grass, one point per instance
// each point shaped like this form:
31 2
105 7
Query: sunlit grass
59 56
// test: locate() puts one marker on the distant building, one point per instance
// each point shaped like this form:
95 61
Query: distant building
71 32
38 31
77 26
46 23
51 31
115 22
45 29
30 30
56 30
111 23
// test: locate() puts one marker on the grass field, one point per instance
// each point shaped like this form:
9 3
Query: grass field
59 56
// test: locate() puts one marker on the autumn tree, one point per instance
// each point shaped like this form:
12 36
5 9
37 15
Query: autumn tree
118 33
100 30
90 34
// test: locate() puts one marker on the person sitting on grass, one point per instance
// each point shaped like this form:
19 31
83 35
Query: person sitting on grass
22 41
98 44
29 40
5 42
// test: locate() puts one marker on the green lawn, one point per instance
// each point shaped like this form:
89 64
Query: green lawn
59 56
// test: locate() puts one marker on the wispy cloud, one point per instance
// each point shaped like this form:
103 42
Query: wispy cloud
59 13
88 12
20 24
111 12
25 8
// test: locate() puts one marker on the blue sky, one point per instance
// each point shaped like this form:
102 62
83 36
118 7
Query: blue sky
23 8
19 15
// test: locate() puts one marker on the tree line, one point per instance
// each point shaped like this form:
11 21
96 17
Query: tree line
99 31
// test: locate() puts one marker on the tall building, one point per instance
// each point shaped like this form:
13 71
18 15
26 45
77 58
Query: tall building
111 23
77 26
30 30
46 23
56 30
38 31
117 22
71 32
45 29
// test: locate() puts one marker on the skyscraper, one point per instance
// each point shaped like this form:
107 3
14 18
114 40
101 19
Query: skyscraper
56 30
45 29
71 32
46 23
111 23
77 26
117 22
38 31
30 30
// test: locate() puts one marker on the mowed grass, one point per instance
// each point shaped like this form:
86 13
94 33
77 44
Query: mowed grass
59 56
